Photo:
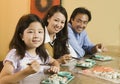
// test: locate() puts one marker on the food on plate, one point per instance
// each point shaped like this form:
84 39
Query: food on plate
102 69
60 78
55 79
86 63
102 58
106 72
103 72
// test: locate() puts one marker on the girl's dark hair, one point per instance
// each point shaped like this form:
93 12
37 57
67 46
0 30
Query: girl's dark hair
80 10
17 42
61 41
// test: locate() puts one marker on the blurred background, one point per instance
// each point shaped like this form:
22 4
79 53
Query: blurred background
103 28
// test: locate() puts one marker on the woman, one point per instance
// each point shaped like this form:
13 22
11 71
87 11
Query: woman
56 40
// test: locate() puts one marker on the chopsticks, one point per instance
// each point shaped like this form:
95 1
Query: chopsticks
40 64
76 58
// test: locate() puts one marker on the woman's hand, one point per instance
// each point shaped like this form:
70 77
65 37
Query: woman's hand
64 59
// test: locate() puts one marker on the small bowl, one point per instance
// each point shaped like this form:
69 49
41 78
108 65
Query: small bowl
64 74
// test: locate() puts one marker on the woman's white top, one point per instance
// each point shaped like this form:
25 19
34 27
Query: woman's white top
47 39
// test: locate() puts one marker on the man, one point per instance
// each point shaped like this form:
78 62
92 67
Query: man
78 37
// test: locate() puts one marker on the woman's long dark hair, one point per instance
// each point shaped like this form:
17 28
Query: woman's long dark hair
61 41
17 42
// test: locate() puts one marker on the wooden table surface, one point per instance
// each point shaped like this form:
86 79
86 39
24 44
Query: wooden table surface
114 52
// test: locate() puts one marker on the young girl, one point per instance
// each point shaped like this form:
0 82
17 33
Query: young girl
23 64
56 38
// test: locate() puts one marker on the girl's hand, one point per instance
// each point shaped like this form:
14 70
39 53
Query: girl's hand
54 69
34 66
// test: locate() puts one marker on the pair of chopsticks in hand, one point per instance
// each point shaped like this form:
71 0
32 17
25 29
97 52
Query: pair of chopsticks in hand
40 64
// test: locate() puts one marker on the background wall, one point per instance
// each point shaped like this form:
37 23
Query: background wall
10 12
105 24
104 27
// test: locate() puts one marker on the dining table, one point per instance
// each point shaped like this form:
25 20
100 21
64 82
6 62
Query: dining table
80 78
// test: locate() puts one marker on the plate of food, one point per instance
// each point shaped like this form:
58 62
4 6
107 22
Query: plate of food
102 58
103 72
87 63
69 62
62 77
